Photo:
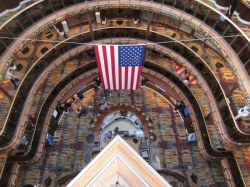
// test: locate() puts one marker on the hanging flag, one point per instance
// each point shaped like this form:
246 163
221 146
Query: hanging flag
119 65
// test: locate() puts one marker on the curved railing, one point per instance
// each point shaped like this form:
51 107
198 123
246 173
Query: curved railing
162 50
179 92
49 114
44 125
207 88
47 109
189 100
242 9
233 174
189 20
241 132
188 104
31 94
236 126
222 131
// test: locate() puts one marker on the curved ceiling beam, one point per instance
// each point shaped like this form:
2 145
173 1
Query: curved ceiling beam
95 71
31 94
231 57
27 3
199 78
48 70
65 54
47 119
158 47
176 59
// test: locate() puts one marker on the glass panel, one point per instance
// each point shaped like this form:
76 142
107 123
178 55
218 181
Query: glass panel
220 26
232 31
142 34
6 36
211 20
245 54
24 20
33 74
57 4
169 2
46 107
45 8
191 98
105 33
36 14
80 1
159 38
15 28
158 1
152 36
98 35
86 38
191 6
68 2
2 49
179 4
239 43
247 67
201 12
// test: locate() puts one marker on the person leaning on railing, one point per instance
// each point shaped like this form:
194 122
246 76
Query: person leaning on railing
10 76
231 8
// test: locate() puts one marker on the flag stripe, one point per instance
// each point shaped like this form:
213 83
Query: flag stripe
126 78
138 77
123 77
104 49
132 87
110 77
102 56
120 77
97 52
129 77
113 64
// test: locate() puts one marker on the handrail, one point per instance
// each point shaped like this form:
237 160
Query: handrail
227 172
46 122
48 117
14 174
227 104
200 145
19 12
180 60
187 104
162 77
39 150
131 41
241 173
191 68
229 20
215 78
63 91
79 67
155 8
55 101
210 99
35 87
206 88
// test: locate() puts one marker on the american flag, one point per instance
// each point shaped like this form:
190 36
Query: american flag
119 65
